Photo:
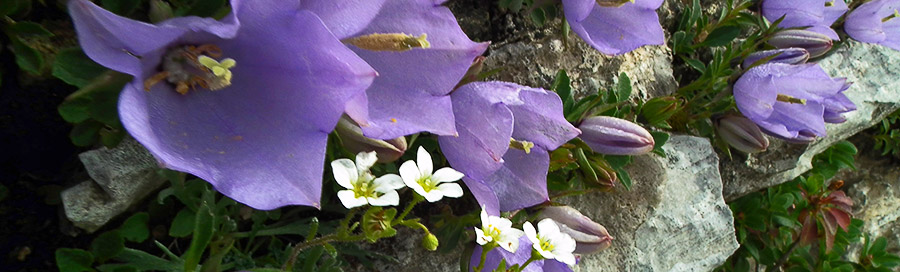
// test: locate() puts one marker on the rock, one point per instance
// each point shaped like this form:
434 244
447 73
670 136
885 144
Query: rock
121 177
873 73
673 219
875 188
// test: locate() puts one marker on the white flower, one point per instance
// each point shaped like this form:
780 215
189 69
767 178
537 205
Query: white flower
498 229
420 179
363 188
551 243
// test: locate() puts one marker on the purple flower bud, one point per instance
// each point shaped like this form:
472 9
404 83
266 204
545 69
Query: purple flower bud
814 15
741 133
815 43
590 237
614 136
791 55
352 138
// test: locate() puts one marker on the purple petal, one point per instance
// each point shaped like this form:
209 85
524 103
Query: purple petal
522 181
261 140
485 128
616 30
792 55
865 24
420 77
834 12
540 119
812 14
344 17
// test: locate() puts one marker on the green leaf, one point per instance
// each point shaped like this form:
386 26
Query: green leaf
538 17
785 221
107 245
28 59
696 64
76 110
204 227
562 86
74 67
146 261
783 202
659 139
206 8
121 7
135 227
721 36
623 88
73 260
85 133
515 5
376 223
111 138
29 29
183 224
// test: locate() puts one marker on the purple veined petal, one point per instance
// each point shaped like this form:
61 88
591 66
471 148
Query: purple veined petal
110 40
556 266
833 117
797 13
522 181
824 30
344 17
616 30
865 23
484 195
892 29
485 128
834 12
238 138
838 104
540 119
419 79
755 93
522 254
806 81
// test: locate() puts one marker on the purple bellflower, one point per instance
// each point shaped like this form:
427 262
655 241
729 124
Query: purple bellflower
615 27
239 102
522 254
411 92
505 133
814 15
875 22
790 101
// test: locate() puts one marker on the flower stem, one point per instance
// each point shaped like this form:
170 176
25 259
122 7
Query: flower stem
342 235
416 199
484 251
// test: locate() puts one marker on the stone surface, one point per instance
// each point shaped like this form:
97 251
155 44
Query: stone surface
875 75
875 189
121 177
673 219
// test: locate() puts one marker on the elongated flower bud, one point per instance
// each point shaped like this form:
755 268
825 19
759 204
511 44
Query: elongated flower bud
590 237
792 55
614 136
353 139
741 133
815 43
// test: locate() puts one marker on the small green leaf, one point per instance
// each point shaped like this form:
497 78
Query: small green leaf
76 110
107 245
121 7
659 139
30 29
85 133
515 5
721 36
148 262
135 227
74 67
73 260
29 59
111 138
538 17
183 224
623 88
204 227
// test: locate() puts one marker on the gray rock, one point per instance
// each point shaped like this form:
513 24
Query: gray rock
121 177
873 73
536 63
875 188
673 219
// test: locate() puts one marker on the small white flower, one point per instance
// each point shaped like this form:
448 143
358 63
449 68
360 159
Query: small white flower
363 188
551 243
420 179
498 229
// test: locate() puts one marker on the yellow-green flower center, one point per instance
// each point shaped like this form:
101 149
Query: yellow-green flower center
545 244
365 189
427 183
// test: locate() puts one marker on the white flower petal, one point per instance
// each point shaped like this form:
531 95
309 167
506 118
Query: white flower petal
365 160
423 160
564 243
500 222
410 174
568 258
349 199
510 245
450 190
432 196
344 172
485 220
446 174
387 199
548 227
531 234
388 182
481 238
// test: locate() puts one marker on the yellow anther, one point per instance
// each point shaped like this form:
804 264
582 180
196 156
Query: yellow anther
521 145
220 69
397 42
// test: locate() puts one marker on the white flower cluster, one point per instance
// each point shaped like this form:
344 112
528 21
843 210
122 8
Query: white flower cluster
549 242
364 188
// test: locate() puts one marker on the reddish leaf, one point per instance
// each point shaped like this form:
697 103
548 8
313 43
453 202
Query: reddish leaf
809 233
841 217
841 201
829 223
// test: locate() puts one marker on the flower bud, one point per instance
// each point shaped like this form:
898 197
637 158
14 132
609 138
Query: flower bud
791 55
473 72
589 236
659 109
741 133
815 43
614 136
352 138
160 11
430 242
606 175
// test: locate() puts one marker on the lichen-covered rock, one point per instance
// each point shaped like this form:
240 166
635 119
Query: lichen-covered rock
875 76
673 219
875 188
121 177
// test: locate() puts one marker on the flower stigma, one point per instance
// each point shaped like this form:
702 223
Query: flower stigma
790 99
892 16
396 42
521 145
190 66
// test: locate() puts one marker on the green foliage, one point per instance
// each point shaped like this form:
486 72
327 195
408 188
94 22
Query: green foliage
540 12
93 109
887 136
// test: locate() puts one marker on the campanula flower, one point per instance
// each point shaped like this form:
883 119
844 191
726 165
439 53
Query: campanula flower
741 133
816 44
420 53
789 101
615 27
875 22
812 15
615 136
211 98
433 186
362 187
505 133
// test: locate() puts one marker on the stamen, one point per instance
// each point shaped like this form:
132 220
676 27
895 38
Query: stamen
829 3
521 145
892 16
219 69
397 42
790 99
